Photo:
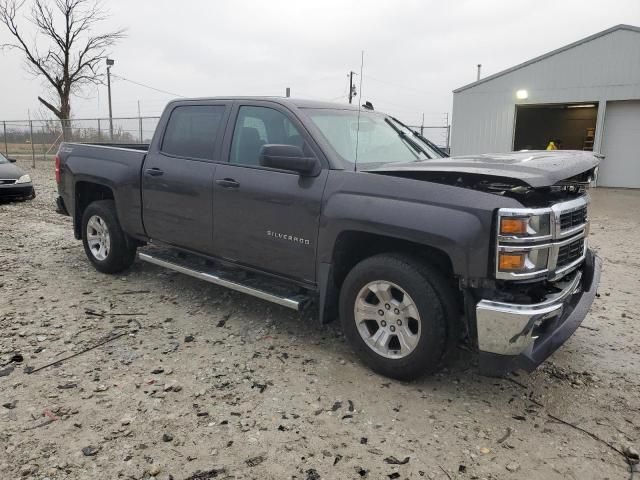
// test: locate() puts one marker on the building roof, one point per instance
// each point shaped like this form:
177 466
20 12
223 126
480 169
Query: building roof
550 54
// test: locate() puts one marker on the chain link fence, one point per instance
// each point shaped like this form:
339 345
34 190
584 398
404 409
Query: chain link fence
439 135
40 139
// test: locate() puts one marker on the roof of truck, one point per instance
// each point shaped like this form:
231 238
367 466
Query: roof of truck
297 102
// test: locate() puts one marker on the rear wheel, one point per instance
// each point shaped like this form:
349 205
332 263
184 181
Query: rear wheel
395 311
105 244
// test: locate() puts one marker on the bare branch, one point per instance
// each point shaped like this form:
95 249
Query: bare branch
93 52
8 11
74 53
55 111
42 17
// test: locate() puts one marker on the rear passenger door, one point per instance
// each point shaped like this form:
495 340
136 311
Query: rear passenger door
267 218
177 176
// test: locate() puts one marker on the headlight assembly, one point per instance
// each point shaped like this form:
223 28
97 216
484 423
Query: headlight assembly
534 243
535 226
523 261
24 179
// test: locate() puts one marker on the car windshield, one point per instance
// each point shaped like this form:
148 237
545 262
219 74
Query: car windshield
3 159
374 140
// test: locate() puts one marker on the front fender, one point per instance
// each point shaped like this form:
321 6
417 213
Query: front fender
461 235
457 221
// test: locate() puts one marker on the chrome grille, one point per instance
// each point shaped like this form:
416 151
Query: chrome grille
573 219
570 253
564 244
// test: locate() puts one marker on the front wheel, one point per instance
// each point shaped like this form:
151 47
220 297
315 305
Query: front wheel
395 311
105 244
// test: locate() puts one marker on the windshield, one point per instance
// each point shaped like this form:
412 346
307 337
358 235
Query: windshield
378 139
3 159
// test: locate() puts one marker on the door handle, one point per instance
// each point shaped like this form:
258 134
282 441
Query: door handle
154 172
228 183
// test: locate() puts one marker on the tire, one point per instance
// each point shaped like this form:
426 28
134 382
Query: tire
105 244
421 343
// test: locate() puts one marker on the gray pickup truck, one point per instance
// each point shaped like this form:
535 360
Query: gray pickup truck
301 202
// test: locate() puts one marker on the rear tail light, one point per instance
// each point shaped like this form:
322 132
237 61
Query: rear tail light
57 169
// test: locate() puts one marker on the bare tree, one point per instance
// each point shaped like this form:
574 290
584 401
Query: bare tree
65 51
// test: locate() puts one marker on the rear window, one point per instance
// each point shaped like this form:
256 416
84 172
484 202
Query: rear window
192 131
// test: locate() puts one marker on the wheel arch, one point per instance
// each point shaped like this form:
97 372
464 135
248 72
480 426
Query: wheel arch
85 193
353 246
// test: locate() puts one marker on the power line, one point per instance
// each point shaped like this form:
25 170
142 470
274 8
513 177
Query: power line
147 86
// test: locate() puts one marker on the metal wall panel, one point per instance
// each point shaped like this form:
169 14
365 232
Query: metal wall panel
621 166
604 68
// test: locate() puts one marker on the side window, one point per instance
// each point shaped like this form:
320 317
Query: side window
192 130
258 126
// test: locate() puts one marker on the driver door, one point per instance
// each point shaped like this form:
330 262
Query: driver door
265 218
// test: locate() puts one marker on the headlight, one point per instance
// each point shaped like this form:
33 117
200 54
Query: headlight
525 261
24 179
536 243
523 242
529 226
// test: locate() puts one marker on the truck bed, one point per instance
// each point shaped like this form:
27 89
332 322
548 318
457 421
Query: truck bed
117 166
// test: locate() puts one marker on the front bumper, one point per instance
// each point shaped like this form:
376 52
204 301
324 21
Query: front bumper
516 336
16 190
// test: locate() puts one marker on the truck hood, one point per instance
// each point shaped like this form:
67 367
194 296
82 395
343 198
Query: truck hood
531 168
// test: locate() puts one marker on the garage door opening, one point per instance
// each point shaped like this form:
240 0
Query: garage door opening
573 124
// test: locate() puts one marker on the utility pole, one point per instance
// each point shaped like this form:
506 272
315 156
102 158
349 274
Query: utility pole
6 144
422 127
140 121
352 87
110 63
33 148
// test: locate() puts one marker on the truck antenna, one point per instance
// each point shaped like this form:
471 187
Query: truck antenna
355 165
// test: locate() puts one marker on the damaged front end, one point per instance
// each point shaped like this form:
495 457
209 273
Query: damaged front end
529 196
522 335
535 179
543 277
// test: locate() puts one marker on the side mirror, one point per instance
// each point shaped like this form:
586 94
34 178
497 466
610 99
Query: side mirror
288 157
12 160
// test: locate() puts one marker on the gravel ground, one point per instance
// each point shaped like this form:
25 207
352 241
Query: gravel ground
207 383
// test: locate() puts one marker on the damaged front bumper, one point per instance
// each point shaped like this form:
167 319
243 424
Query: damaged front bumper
519 336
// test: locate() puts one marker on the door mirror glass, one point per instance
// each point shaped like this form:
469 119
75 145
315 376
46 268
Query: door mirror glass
288 157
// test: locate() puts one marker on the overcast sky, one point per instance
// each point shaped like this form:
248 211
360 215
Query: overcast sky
415 52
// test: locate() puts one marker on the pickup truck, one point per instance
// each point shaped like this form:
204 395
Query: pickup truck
302 202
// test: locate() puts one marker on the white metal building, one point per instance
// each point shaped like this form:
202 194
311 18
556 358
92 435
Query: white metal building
586 94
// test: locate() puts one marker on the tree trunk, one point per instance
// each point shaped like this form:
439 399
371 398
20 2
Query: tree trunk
63 113
65 118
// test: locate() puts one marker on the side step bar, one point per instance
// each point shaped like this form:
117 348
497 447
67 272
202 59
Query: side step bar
295 302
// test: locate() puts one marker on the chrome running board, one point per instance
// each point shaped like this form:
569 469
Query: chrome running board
182 264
